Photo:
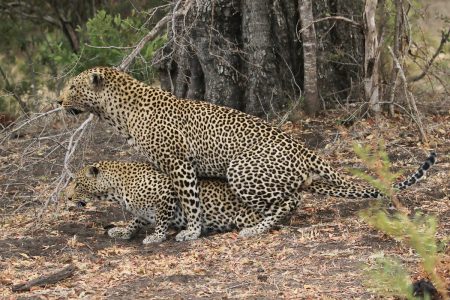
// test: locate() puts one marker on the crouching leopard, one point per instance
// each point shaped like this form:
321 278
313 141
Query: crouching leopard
188 139
149 196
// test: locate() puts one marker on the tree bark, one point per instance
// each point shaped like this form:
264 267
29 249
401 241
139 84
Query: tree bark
241 54
263 92
248 54
201 60
308 34
371 57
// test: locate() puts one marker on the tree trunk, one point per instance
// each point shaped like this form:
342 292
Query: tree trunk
263 92
371 55
67 27
247 54
394 71
308 33
10 89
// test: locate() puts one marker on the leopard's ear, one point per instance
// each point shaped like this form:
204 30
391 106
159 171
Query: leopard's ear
92 172
97 80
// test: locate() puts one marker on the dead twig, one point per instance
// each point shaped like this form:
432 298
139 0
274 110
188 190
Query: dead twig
66 174
410 99
73 143
64 273
29 120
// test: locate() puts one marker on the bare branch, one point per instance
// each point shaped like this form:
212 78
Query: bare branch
66 174
73 143
109 47
26 10
339 18
28 121
410 99
444 40
126 62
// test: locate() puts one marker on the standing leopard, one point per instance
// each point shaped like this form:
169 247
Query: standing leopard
149 196
188 139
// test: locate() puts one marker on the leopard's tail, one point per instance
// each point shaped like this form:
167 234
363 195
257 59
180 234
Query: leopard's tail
339 187
420 173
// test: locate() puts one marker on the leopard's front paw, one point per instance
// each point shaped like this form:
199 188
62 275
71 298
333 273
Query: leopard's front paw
154 238
188 235
250 231
120 233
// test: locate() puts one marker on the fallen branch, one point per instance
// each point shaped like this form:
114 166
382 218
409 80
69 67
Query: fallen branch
46 279
444 40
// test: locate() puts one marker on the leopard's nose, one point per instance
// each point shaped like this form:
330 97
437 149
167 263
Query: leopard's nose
59 102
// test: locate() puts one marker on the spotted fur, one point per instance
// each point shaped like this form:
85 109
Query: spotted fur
151 199
188 139
359 191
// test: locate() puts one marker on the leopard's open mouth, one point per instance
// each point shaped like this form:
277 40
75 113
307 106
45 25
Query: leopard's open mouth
74 111
81 204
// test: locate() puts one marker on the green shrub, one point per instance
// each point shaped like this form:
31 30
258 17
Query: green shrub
106 40
36 56
388 276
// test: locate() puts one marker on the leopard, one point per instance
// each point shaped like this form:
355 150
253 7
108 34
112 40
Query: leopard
150 198
148 195
359 191
191 139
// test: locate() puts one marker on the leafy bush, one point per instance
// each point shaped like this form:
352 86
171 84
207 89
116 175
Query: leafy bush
388 275
106 40
33 56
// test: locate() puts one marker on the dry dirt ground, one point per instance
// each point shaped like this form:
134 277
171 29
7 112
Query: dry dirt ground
320 253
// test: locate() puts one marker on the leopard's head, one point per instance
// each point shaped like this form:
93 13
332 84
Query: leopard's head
85 92
89 184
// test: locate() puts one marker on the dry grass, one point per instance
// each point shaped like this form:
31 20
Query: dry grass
319 253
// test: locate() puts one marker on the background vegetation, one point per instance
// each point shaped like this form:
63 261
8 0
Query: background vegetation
45 41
